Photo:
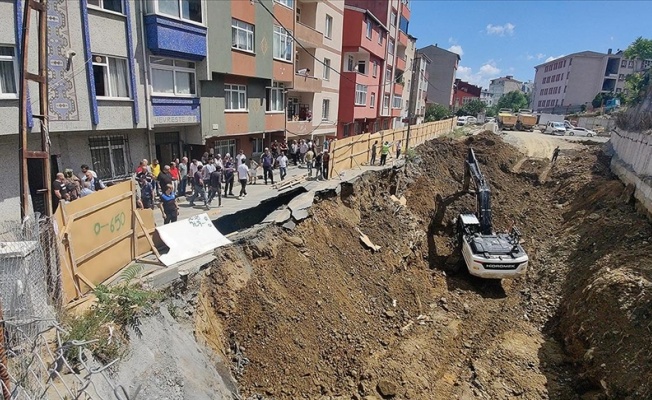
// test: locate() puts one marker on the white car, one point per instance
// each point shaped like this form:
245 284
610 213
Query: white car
555 128
490 119
461 121
471 120
580 132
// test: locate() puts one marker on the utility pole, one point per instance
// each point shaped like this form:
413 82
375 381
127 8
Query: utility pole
411 102
40 6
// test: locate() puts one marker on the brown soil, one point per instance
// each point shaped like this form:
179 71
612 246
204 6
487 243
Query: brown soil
312 313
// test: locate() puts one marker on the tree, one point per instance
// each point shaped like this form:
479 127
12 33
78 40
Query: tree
474 107
491 111
640 48
436 112
513 100
597 100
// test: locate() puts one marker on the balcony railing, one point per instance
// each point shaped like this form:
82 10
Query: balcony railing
309 37
308 84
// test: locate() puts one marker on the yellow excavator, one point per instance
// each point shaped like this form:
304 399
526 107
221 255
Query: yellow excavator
506 119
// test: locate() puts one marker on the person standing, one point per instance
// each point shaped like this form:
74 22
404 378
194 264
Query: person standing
229 171
239 159
198 187
243 177
168 204
374 149
303 149
294 152
384 151
174 172
59 190
146 190
183 176
555 154
282 165
216 186
325 160
156 170
318 165
398 149
268 162
310 157
164 178
253 171
95 182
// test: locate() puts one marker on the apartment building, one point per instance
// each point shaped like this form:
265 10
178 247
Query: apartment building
463 93
487 97
375 51
503 85
410 54
419 87
98 107
573 81
441 74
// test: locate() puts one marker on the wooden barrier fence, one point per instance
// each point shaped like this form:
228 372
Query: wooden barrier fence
355 151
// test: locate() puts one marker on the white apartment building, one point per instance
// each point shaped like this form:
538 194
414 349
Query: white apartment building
487 97
503 85
574 80
419 87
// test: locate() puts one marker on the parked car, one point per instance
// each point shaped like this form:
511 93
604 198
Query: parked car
471 120
555 128
490 119
461 120
580 132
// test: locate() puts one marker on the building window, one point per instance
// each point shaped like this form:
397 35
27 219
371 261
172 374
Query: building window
325 109
631 63
370 29
235 97
173 77
372 102
386 101
111 77
390 46
282 44
109 156
398 100
562 76
388 75
621 77
328 32
381 36
392 21
8 76
276 97
257 145
362 67
287 3
242 35
183 9
350 64
618 90
225 146
347 130
109 5
327 69
360 95
374 69
623 64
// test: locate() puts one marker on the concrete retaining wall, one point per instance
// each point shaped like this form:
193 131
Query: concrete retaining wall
632 163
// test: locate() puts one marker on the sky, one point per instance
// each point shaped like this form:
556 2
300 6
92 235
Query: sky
498 38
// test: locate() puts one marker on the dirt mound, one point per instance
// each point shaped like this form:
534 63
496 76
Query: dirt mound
314 313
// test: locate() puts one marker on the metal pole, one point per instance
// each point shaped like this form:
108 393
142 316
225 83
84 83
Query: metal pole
43 102
22 127
4 372
411 104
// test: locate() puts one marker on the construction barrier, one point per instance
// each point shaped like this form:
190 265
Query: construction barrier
100 234
355 151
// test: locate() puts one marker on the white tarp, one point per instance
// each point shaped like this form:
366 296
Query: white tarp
189 238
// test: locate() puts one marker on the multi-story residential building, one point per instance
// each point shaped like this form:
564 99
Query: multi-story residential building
410 53
487 97
98 107
503 85
464 92
419 87
573 81
441 74
375 33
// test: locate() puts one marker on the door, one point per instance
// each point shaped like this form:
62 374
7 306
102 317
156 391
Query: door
167 147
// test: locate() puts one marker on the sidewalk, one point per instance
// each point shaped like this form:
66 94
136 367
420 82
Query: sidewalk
260 192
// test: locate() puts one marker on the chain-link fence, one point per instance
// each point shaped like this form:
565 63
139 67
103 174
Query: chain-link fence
35 361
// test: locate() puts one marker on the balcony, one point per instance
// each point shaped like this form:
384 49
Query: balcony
398 88
308 37
401 63
307 84
299 127
174 38
402 39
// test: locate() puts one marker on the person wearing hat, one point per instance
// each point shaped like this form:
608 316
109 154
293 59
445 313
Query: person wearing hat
384 151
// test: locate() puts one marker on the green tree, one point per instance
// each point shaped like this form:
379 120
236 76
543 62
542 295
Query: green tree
436 112
597 100
491 111
513 100
640 48
474 107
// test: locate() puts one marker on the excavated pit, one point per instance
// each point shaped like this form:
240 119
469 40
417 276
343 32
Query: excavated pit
314 313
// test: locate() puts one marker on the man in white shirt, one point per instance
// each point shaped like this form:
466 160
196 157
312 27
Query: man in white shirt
243 177
239 159
282 165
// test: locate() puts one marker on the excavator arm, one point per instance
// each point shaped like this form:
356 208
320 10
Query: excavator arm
482 192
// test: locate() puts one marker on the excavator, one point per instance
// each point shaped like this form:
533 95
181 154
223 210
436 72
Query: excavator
487 254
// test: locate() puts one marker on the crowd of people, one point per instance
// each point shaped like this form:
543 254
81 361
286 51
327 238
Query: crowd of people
69 187
212 178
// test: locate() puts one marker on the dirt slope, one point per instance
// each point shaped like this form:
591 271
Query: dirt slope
313 313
